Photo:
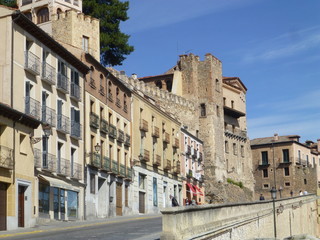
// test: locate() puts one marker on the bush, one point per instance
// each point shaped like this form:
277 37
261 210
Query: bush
231 181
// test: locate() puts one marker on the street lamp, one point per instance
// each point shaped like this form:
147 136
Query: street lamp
273 192
97 148
275 138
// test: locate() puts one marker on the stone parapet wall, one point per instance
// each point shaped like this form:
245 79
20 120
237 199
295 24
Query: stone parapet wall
241 221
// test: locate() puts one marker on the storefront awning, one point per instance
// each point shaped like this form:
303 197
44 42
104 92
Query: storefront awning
54 182
198 189
192 189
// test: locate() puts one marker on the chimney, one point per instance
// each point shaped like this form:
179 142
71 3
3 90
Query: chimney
275 137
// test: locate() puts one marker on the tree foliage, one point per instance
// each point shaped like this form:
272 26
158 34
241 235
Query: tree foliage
114 44
9 3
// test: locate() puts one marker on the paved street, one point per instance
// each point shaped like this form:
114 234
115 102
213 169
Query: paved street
121 228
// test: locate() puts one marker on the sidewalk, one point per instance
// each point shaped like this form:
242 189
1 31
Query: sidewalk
64 225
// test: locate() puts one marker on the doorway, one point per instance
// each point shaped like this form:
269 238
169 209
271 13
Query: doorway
21 198
141 202
3 206
119 199
59 203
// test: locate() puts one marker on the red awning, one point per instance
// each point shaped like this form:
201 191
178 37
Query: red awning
198 189
192 189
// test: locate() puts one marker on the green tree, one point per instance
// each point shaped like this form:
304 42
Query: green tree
114 44
9 3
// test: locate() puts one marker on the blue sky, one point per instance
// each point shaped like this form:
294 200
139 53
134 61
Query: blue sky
272 45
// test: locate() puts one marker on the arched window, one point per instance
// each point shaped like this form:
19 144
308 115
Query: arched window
28 15
110 91
159 84
43 15
117 91
169 85
125 107
59 11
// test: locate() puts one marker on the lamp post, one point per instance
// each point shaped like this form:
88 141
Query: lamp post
275 138
273 192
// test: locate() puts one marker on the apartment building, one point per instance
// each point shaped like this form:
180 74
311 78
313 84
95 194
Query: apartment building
108 143
155 156
192 172
51 91
284 163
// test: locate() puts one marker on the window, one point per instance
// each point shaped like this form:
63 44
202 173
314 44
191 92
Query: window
43 15
203 110
232 104
169 85
218 111
305 181
44 190
217 85
155 192
242 150
62 68
265 173
307 158
141 181
314 161
226 146
23 144
28 15
235 150
85 43
72 169
75 123
72 202
92 183
265 186
299 156
286 171
287 184
224 101
285 155
264 156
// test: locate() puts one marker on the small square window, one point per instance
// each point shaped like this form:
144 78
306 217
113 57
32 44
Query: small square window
287 184
265 186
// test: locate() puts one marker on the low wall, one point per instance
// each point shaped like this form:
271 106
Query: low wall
297 215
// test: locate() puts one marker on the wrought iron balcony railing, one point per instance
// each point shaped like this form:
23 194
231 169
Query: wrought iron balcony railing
166 137
76 129
167 165
115 167
63 83
122 170
129 173
155 132
45 160
104 126
94 120
176 143
188 152
63 124
112 131
32 63
118 102
48 73
177 167
48 116
63 166
125 108
76 171
101 90
110 97
6 157
32 107
96 160
157 160
195 153
143 125
75 92
92 83
120 136
106 164
127 140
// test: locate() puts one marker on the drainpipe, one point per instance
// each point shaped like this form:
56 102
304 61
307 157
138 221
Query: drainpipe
84 148
11 103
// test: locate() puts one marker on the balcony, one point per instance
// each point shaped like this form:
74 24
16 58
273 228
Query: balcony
48 73
127 140
200 157
189 174
122 170
155 132
112 131
120 137
115 167
104 126
32 63
76 129
188 152
76 172
236 134
95 160
285 162
92 83
125 108
110 97
263 164
6 157
233 112
167 165
166 137
63 124
63 83
44 160
301 162
144 156
143 125
118 102
129 173
195 154
63 166
48 116
176 143
157 160
75 92
177 168
101 90
94 120
32 107
106 164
